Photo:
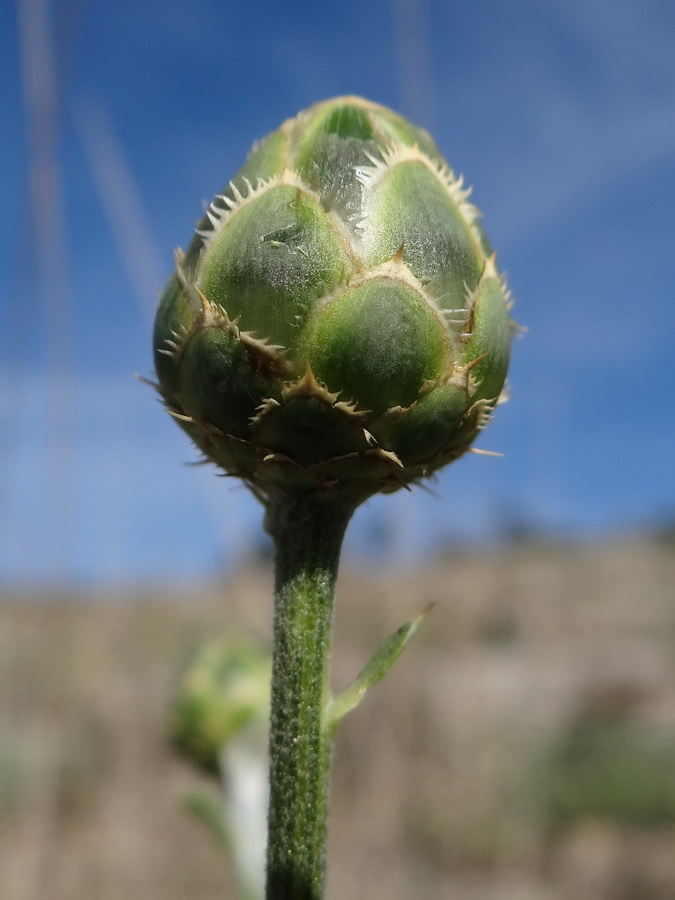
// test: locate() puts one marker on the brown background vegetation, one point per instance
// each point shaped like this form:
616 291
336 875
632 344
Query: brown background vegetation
522 747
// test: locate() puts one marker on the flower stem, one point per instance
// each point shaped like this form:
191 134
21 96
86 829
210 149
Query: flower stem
308 534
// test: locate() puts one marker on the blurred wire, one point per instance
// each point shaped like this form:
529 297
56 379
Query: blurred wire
122 205
413 50
39 76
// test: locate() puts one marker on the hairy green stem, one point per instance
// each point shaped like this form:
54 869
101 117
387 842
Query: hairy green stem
308 534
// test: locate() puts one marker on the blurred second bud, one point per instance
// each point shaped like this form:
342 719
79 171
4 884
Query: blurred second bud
225 688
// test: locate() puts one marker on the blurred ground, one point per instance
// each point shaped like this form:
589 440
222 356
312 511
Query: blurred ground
522 748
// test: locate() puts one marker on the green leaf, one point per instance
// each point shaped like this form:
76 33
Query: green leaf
378 665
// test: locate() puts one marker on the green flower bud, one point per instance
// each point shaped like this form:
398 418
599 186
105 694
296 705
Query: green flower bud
338 321
224 689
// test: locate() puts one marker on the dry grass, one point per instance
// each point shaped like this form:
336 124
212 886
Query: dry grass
440 778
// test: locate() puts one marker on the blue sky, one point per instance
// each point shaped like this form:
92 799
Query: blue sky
562 117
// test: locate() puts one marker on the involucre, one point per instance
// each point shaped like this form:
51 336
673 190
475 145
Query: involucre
338 322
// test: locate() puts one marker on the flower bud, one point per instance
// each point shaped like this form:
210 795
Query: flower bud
225 688
338 321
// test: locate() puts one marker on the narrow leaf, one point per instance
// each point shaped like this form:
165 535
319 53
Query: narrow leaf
378 665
